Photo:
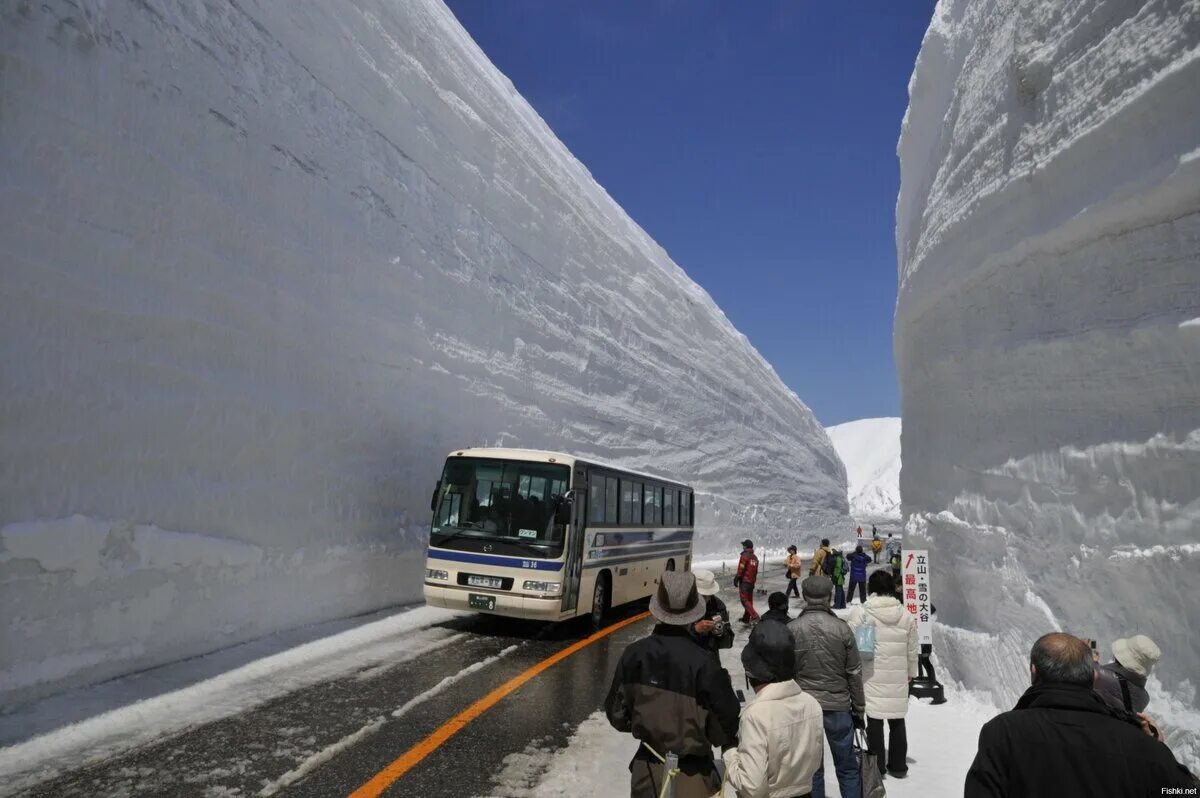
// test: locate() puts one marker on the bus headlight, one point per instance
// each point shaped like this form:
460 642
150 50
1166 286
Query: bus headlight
435 573
553 588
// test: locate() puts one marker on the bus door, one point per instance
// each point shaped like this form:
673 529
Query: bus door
573 570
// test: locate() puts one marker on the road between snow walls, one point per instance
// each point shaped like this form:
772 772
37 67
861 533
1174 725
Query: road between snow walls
264 266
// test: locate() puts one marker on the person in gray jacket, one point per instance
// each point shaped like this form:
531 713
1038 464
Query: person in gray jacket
1122 683
829 669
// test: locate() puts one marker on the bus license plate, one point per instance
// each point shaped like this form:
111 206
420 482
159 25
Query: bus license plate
478 602
493 582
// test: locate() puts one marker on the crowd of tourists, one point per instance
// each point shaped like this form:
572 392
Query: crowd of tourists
818 679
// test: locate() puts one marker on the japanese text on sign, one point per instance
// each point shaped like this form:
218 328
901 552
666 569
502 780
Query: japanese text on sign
917 593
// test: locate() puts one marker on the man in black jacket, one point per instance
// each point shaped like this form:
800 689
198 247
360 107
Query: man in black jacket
1062 739
673 697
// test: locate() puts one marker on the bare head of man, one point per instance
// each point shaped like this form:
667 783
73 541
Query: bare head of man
1061 658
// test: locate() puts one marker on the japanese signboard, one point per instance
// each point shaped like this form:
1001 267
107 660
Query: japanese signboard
916 591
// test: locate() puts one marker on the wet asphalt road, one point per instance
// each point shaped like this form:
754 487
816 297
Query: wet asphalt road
240 755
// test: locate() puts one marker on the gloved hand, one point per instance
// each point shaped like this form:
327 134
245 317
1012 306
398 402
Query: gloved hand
737 581
858 720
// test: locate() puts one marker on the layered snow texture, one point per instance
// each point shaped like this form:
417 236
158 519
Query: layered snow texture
1048 234
265 264
870 450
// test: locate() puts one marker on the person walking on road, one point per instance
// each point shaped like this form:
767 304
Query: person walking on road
671 695
1062 739
818 563
747 575
792 565
780 739
893 548
712 631
886 675
858 575
829 669
840 568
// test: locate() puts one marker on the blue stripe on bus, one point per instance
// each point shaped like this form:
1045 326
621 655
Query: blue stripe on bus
619 560
637 548
493 559
616 537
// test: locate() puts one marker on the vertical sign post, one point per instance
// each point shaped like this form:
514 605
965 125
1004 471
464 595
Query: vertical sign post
916 591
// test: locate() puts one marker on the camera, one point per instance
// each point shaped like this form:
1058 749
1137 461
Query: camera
718 626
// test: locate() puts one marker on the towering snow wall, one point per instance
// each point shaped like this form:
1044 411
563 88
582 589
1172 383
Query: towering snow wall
1047 330
263 265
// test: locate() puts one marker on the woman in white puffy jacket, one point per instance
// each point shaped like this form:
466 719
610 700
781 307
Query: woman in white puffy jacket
887 674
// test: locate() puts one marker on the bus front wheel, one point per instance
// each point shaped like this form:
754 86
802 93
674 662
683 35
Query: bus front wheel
600 598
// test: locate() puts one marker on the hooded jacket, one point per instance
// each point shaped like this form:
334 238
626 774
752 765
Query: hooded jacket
886 675
781 744
827 663
1062 739
671 694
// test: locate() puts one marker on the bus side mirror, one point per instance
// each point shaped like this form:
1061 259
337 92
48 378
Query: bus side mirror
433 499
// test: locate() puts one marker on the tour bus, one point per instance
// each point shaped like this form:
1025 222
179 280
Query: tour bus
549 536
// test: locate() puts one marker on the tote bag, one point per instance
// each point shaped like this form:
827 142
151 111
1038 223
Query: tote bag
868 769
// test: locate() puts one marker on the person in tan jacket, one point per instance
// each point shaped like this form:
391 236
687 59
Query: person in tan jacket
780 737
818 563
793 565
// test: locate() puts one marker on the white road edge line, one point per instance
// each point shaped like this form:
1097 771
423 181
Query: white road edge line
449 680
330 751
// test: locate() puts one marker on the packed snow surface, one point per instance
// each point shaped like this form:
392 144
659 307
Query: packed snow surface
1048 237
265 264
870 450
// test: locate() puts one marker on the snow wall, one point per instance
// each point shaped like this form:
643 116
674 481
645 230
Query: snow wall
264 265
1048 332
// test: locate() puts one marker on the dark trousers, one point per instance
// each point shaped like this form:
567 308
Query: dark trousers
862 590
792 590
925 664
746 594
897 749
839 597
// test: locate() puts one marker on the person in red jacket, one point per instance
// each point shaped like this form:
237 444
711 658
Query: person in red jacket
747 575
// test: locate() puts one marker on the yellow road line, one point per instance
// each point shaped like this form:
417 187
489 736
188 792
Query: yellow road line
410 758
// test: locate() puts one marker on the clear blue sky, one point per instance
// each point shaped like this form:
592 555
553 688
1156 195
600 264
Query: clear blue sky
756 143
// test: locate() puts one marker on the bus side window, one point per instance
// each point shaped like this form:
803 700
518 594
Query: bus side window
596 499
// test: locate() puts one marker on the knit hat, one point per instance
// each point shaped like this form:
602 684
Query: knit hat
706 582
770 654
676 601
1138 653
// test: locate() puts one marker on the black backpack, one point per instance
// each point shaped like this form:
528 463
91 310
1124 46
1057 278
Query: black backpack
827 564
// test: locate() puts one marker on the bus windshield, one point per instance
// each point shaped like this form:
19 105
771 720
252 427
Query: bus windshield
509 502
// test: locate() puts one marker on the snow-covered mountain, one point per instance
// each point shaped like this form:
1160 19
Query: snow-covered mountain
870 450
1048 236
264 265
